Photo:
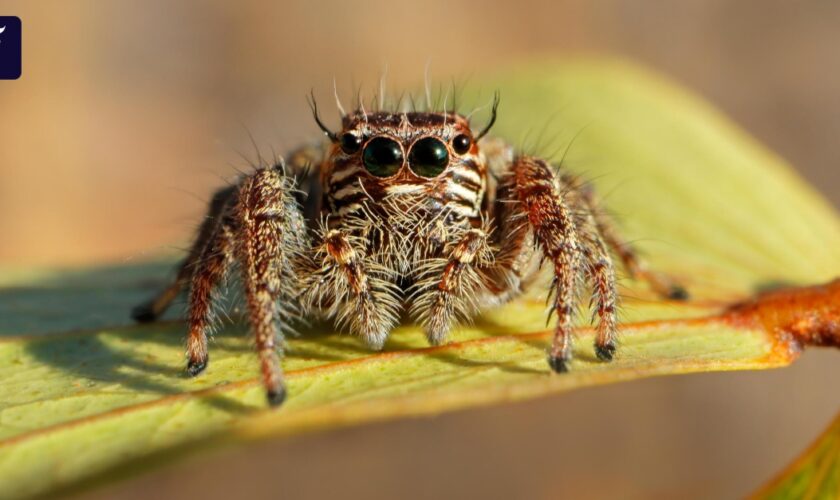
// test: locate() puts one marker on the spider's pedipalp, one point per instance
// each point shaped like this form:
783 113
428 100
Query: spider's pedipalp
359 295
448 289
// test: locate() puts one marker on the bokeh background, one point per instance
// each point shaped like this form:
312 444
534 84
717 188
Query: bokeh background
129 113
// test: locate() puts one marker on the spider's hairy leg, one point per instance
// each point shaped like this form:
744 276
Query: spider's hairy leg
553 224
366 303
271 235
449 288
602 275
299 163
154 308
210 268
605 226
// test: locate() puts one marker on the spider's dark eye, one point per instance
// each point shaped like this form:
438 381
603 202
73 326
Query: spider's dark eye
461 143
350 143
383 157
428 157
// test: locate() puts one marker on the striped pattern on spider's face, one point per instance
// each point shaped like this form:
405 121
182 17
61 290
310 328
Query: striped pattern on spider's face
408 168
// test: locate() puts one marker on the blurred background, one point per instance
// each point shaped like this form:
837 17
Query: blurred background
129 114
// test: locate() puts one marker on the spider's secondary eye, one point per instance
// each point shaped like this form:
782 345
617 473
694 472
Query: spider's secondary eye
461 143
428 157
350 143
383 157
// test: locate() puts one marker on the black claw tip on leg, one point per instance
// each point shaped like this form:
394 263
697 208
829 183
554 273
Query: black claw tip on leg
558 364
605 352
143 313
194 367
677 293
276 396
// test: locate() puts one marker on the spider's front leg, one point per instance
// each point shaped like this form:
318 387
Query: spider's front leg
297 163
570 241
265 233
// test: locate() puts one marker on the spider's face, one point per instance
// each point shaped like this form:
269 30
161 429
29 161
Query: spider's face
384 154
408 165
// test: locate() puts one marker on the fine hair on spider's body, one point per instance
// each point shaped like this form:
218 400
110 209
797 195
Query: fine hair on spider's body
401 211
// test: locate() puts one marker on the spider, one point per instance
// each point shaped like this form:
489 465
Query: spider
401 212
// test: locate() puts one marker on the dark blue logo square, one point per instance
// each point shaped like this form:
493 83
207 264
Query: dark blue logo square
10 31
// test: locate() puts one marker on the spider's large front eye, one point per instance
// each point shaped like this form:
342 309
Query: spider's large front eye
383 157
428 157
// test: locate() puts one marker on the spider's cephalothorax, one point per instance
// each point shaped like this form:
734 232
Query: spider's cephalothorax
404 181
401 212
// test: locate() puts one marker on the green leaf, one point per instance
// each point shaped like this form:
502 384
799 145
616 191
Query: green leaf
813 476
86 394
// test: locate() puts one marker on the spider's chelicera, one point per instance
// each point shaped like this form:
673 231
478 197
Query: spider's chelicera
401 212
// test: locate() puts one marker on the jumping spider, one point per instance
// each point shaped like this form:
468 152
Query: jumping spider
404 211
